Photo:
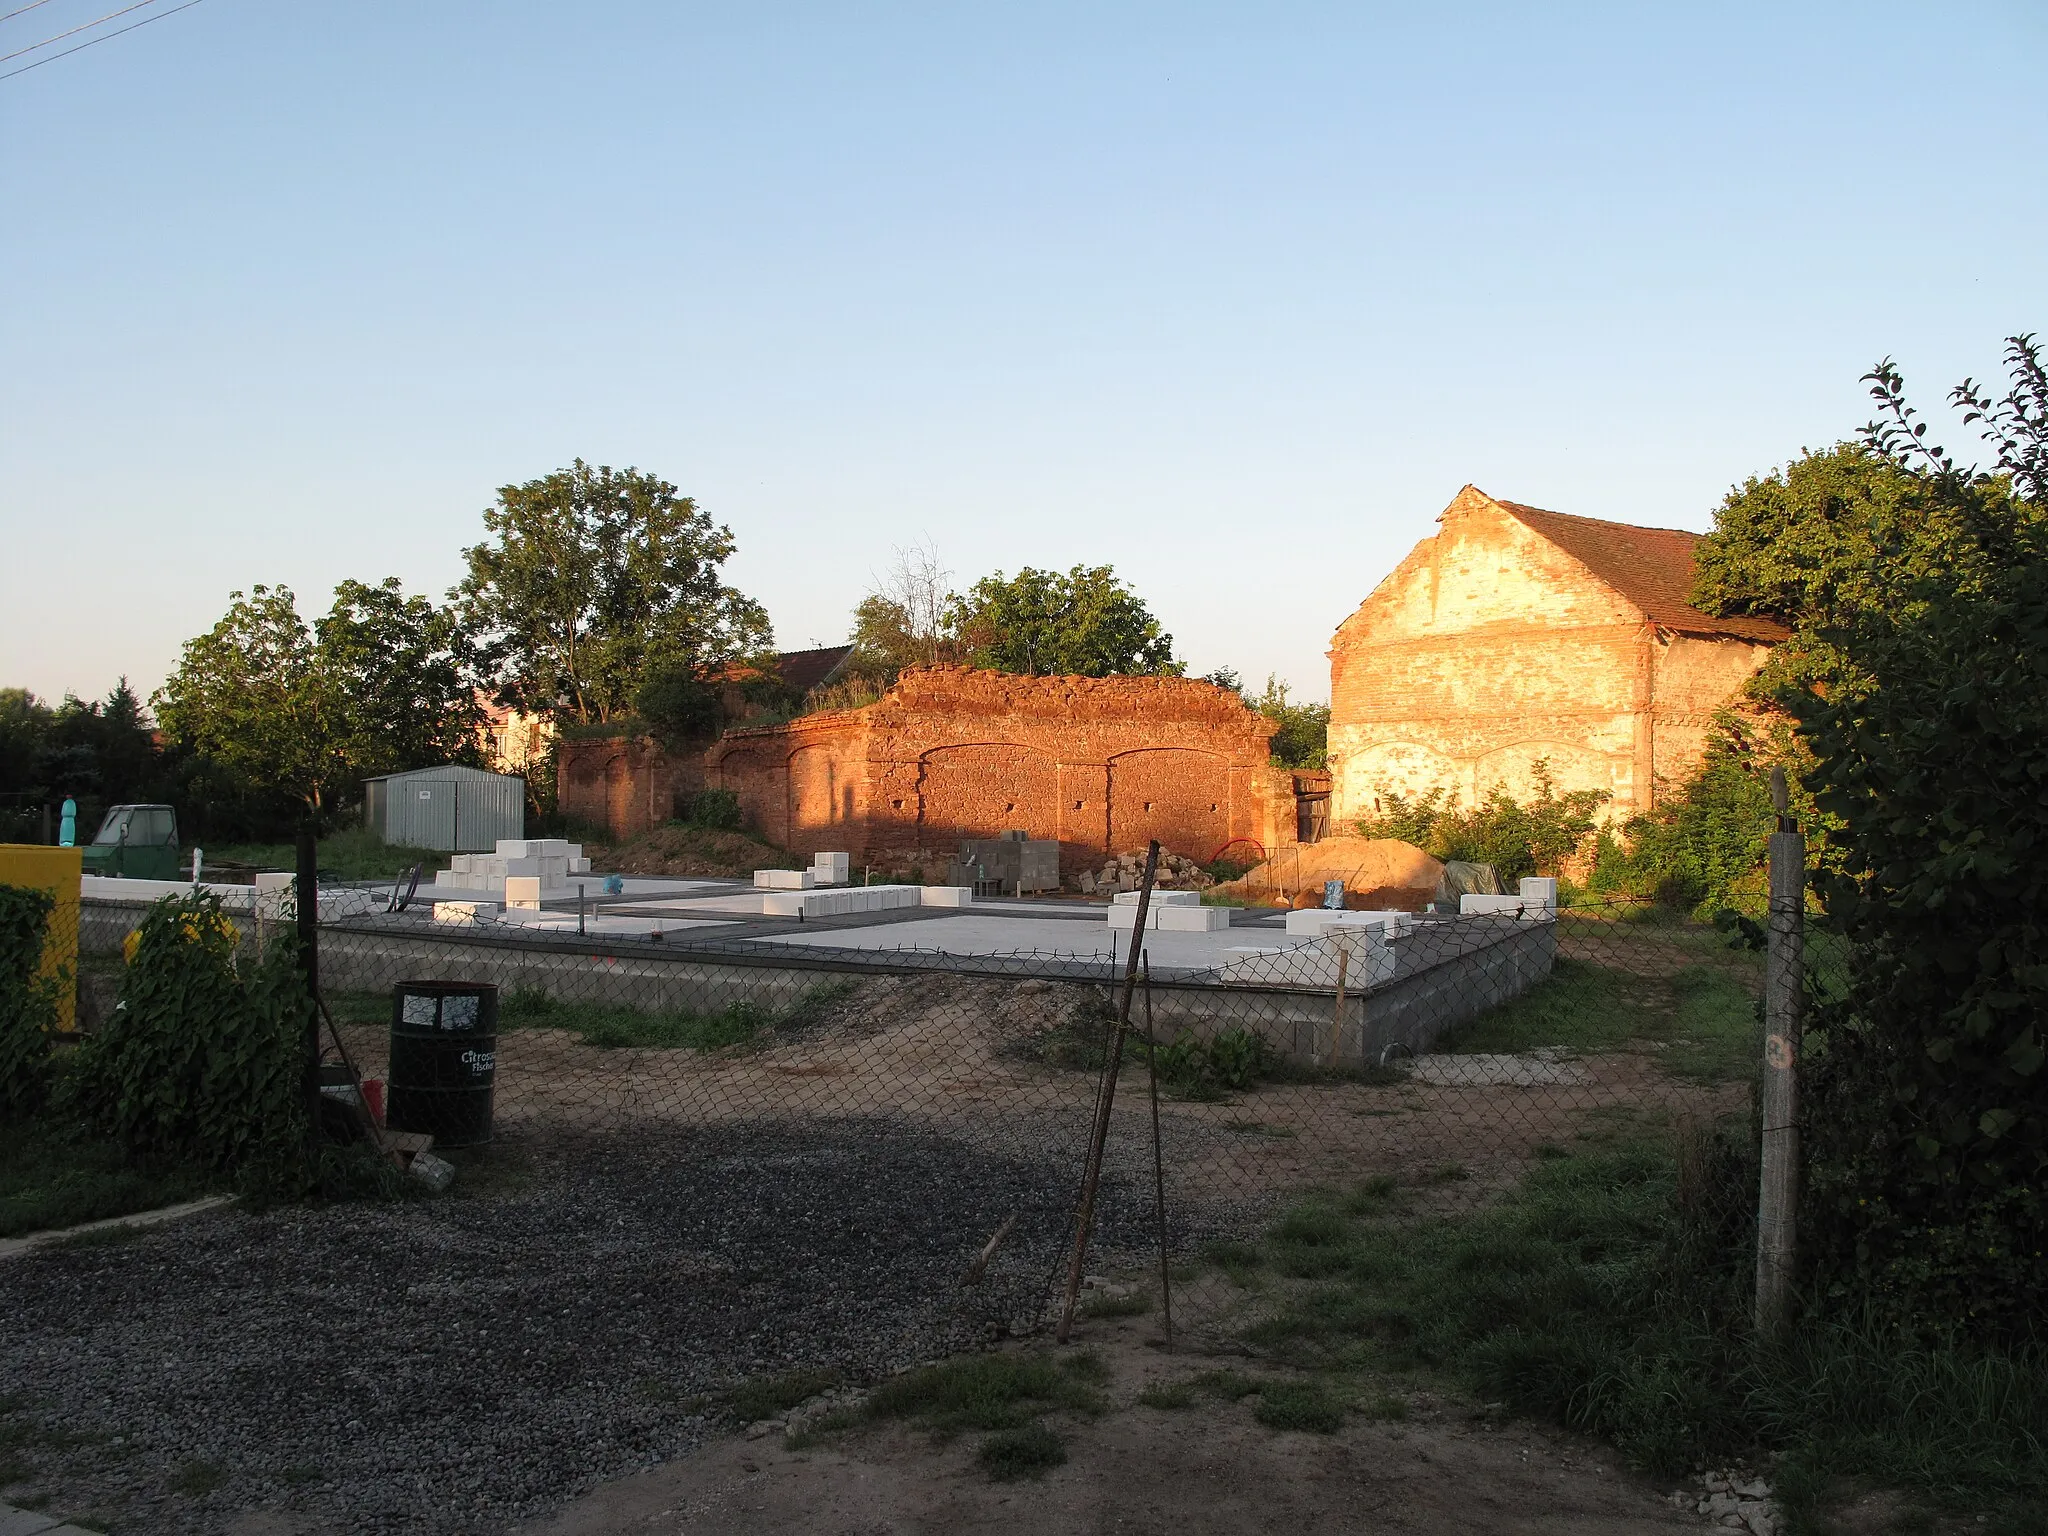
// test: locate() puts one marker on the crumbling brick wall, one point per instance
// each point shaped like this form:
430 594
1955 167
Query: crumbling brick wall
1492 646
1098 764
625 784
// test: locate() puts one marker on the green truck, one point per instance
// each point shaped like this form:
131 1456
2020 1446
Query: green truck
138 842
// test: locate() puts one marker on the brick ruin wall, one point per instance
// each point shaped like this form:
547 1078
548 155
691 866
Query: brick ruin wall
1487 649
625 784
1099 764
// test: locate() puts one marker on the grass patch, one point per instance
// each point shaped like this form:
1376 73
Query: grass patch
612 1026
1261 1128
1170 1396
1609 1292
1310 1405
764 1397
1101 1304
1007 1390
50 1177
1240 1262
1230 1386
1703 1012
354 853
1031 1451
196 1479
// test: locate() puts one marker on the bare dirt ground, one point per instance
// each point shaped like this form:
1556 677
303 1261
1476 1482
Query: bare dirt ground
1449 1467
705 852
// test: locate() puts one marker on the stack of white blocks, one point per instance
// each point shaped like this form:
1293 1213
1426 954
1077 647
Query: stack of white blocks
785 879
1364 957
1537 900
808 902
832 868
548 862
1314 922
1170 911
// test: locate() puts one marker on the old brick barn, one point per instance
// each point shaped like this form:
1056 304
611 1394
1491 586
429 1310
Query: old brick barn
1515 634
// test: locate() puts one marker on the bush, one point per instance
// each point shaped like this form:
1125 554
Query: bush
717 809
1232 1061
28 1004
1516 839
201 1062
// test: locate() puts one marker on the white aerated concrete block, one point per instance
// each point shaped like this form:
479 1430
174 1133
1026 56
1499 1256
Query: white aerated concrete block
1541 888
946 896
1314 922
522 893
1159 899
1506 906
784 879
1366 961
1179 919
832 868
464 913
842 902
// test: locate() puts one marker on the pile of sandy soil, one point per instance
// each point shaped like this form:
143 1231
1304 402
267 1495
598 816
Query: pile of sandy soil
1379 874
678 850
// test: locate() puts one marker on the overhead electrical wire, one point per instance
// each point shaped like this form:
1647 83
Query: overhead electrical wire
104 37
85 27
24 10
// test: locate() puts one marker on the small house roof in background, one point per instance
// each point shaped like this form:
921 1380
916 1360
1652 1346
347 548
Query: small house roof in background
805 670
1651 567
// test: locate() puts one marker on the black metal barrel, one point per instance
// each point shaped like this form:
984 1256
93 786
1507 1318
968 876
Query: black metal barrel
444 1060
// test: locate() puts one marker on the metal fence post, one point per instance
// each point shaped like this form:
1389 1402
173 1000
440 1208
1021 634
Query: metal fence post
1778 1098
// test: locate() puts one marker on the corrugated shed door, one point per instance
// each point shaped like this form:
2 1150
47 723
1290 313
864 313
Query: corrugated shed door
493 806
423 813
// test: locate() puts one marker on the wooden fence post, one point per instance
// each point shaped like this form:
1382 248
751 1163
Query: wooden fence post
1778 1098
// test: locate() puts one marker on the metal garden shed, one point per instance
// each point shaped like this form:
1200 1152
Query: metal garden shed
452 808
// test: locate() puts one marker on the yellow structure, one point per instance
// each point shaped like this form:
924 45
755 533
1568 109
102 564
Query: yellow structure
55 870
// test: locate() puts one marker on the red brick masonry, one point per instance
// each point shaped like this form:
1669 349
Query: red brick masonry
1100 764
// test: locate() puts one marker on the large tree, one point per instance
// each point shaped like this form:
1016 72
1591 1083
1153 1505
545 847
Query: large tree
1085 622
303 713
593 579
250 695
403 667
1929 1109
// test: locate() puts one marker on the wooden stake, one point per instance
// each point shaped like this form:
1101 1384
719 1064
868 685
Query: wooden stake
988 1251
1105 1100
1778 1095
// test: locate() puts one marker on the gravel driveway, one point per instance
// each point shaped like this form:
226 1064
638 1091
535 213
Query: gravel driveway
455 1365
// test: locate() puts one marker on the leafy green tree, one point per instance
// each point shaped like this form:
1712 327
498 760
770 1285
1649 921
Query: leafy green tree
403 669
1303 737
903 620
252 696
591 578
278 711
1085 623
1928 1106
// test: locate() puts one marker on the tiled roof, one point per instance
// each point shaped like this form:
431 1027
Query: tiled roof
805 670
1651 567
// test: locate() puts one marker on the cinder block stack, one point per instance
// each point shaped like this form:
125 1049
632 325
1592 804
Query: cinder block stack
549 860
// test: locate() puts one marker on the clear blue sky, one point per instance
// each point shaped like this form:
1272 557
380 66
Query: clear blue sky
1231 297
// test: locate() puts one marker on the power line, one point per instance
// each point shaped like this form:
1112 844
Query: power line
32 4
75 47
86 27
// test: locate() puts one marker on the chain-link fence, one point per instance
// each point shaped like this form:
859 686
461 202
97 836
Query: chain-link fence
1443 1055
